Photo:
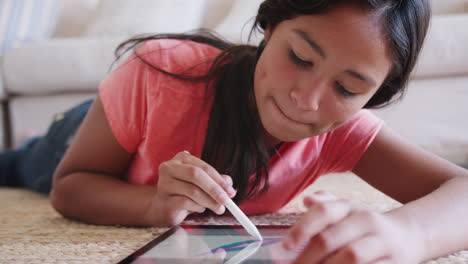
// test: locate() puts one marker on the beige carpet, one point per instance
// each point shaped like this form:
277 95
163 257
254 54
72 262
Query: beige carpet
32 232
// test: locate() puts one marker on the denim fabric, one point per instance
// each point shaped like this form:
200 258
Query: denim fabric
8 167
34 163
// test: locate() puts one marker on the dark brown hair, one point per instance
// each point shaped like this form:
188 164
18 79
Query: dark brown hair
233 145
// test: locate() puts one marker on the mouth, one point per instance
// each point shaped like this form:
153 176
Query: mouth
287 117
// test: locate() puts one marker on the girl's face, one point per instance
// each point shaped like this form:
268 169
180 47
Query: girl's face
317 71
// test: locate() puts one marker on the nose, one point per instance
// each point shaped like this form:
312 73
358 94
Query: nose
307 97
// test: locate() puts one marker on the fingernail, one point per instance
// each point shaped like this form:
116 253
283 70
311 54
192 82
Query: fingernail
324 196
229 181
220 210
220 253
232 191
287 244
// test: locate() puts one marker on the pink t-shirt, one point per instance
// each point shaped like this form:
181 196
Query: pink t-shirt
155 116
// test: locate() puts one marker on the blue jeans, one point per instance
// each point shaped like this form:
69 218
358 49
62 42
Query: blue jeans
33 164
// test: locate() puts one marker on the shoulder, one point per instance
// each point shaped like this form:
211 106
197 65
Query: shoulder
176 55
363 122
343 147
358 132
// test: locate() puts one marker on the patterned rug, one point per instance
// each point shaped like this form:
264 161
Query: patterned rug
32 232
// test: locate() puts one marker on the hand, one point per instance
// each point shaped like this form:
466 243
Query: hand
336 231
188 185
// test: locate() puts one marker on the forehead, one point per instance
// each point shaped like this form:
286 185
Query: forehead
344 32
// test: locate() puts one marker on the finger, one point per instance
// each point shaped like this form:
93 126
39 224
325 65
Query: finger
327 197
368 249
187 204
178 212
195 194
173 173
219 254
382 261
197 176
229 180
334 237
317 197
317 218
222 181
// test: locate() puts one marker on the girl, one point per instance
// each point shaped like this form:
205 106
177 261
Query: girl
189 120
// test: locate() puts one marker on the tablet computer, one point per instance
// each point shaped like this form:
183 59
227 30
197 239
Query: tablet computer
214 244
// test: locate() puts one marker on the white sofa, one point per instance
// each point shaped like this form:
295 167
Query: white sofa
43 78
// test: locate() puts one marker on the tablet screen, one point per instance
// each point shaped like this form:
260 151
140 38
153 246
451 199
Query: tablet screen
215 244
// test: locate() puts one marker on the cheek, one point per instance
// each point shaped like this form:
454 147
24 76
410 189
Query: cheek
276 70
339 114
260 79
284 73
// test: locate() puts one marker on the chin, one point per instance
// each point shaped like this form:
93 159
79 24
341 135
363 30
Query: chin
285 136
291 136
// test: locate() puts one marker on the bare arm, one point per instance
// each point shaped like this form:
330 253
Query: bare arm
435 190
88 183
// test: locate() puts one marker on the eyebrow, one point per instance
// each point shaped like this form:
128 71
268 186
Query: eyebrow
311 42
361 77
306 37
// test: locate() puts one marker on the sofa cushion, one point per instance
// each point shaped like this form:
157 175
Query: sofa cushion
444 53
58 65
126 18
3 94
433 115
25 21
211 19
449 6
74 17
238 22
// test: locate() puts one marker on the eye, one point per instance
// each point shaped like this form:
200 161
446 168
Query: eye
298 61
343 91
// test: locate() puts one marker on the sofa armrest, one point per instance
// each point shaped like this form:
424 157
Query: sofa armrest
444 52
449 6
58 65
3 94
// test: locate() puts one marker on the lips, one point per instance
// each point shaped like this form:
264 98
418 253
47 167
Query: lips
287 117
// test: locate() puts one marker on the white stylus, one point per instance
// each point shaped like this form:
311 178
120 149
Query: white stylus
243 219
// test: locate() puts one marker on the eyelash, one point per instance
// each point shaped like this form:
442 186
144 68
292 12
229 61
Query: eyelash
298 61
343 91
302 63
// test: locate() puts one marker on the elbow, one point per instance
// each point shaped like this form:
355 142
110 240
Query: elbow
460 175
57 201
57 197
